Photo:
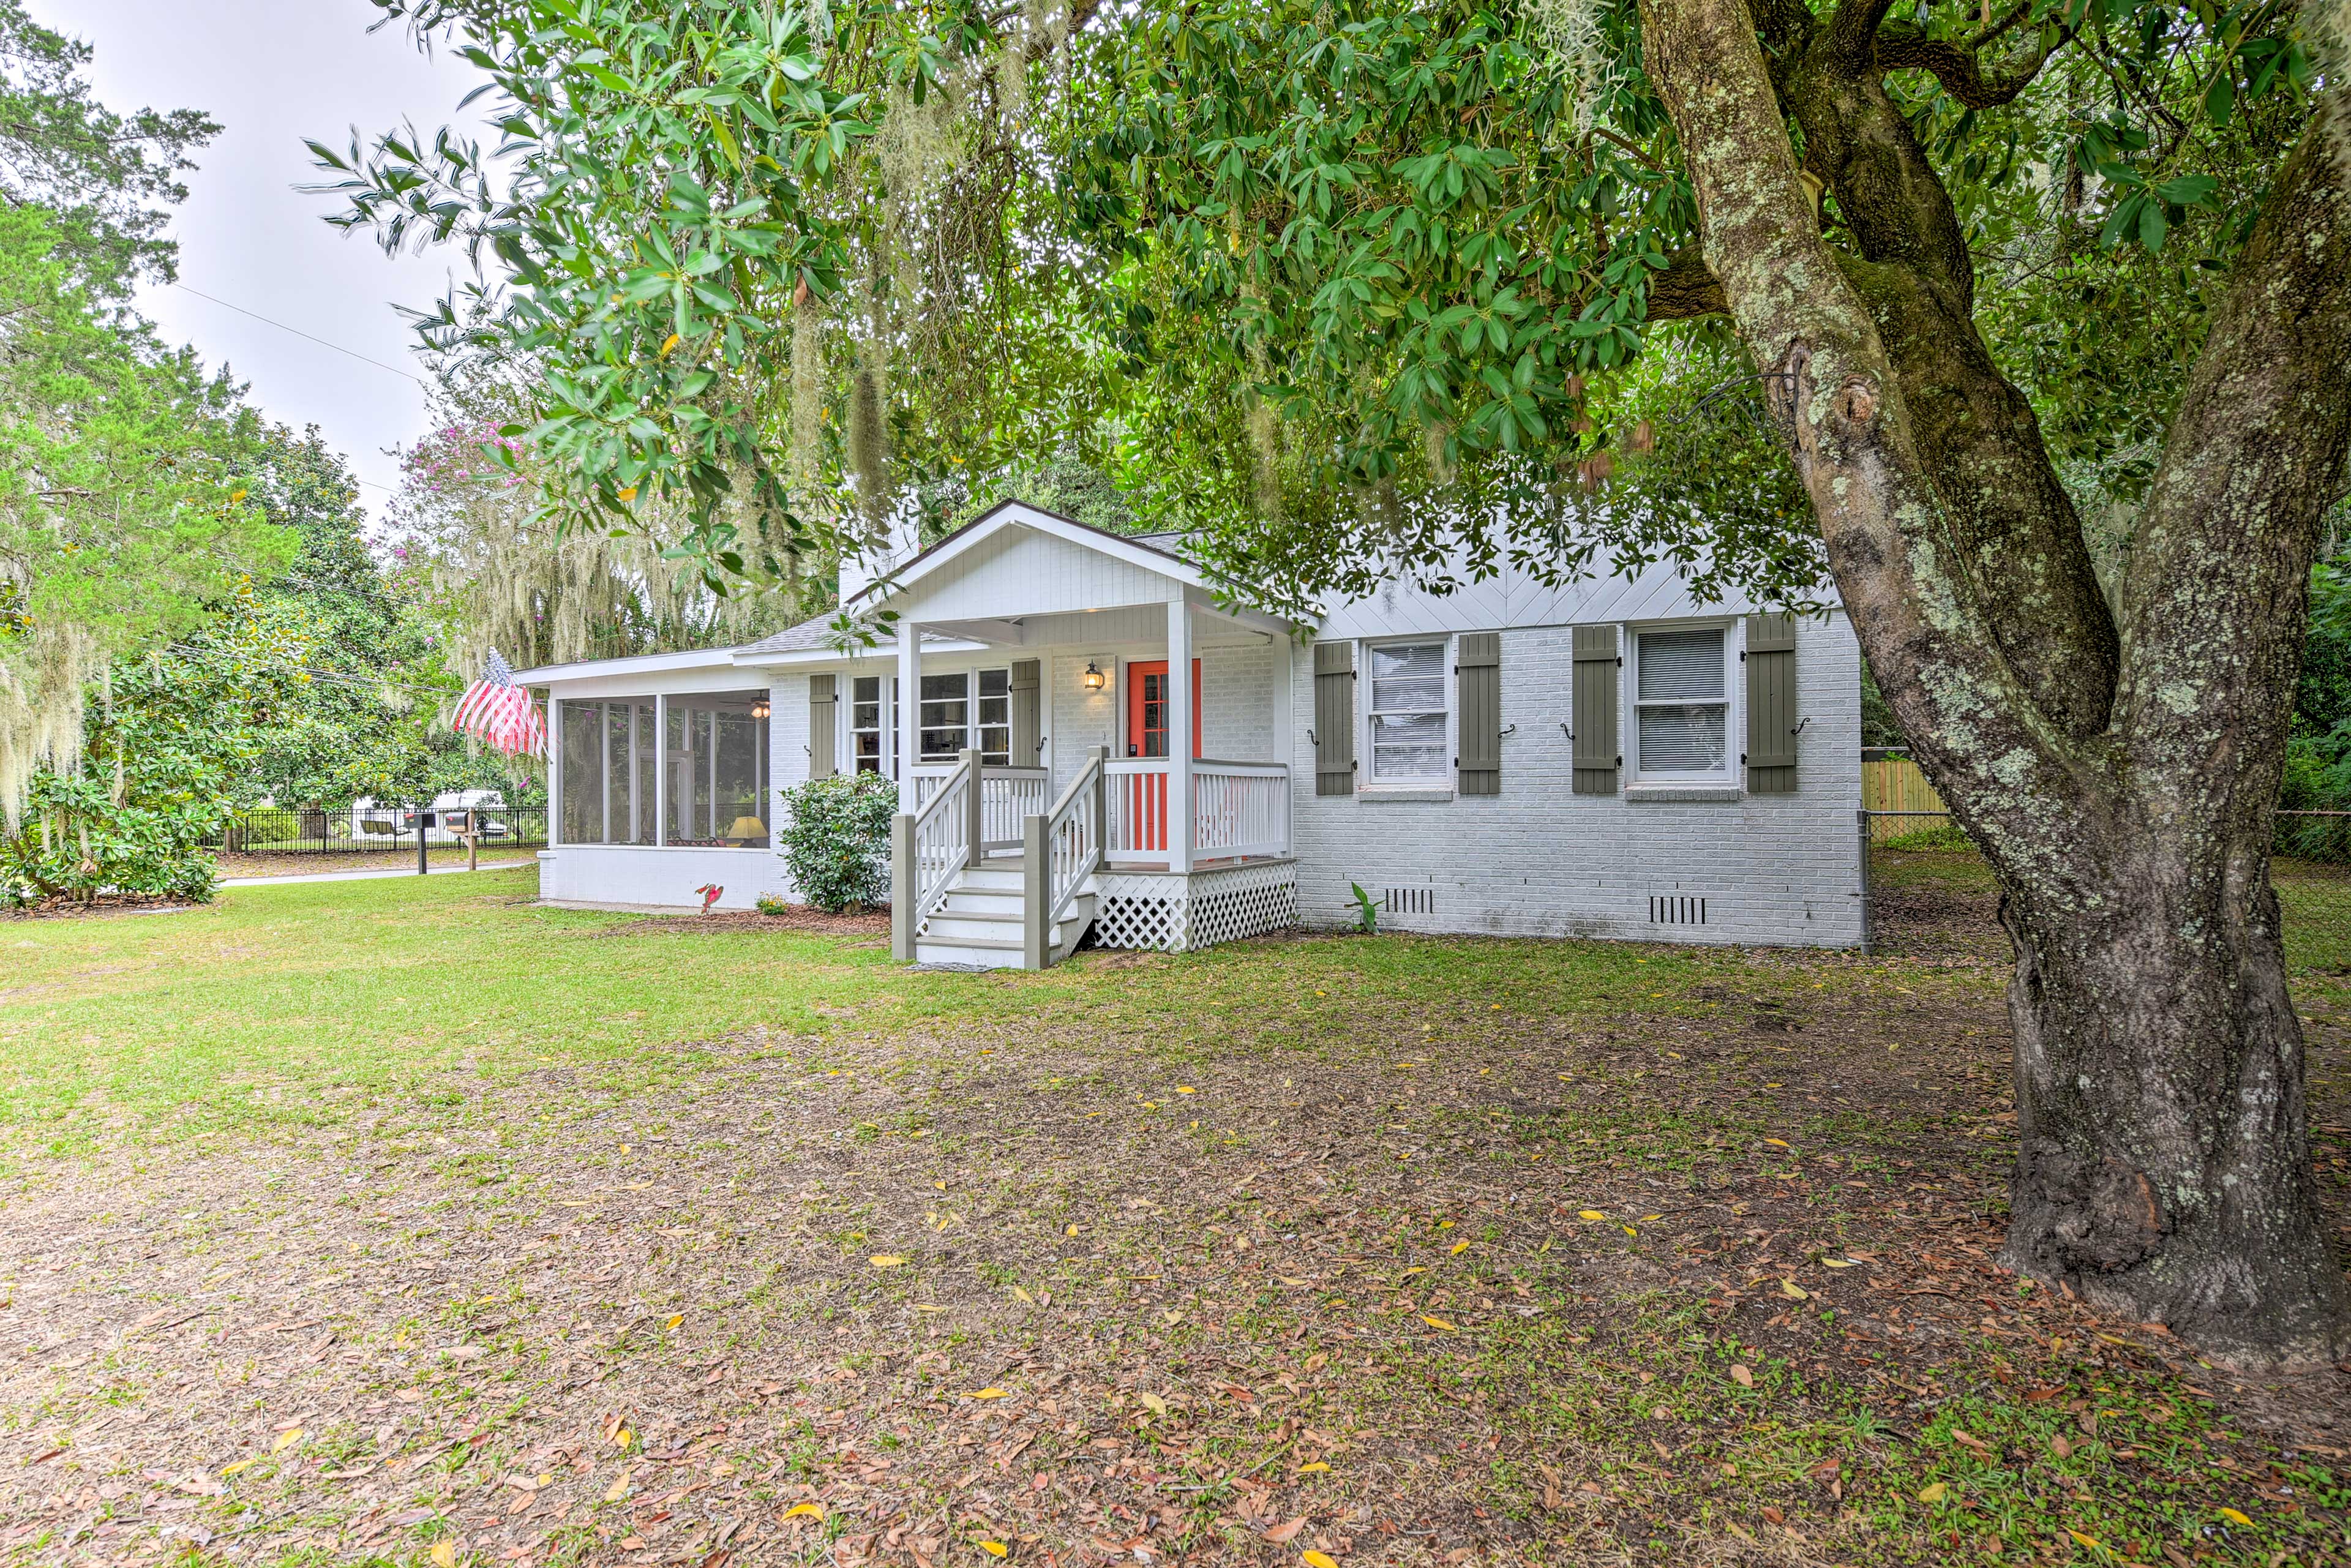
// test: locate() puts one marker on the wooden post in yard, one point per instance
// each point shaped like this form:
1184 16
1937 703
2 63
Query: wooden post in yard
420 867
1036 894
902 886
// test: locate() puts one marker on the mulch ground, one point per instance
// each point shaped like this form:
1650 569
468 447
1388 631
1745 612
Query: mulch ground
915 1300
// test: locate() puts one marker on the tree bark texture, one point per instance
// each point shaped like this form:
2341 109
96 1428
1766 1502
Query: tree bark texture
2121 777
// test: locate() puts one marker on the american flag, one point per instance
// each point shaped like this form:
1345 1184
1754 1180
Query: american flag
500 714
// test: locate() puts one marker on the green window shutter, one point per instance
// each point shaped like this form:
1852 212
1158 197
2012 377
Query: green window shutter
1027 711
1598 757
1771 720
1335 718
1478 679
821 700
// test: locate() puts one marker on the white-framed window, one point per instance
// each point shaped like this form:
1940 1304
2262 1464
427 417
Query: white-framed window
995 719
1681 702
869 723
953 717
1408 719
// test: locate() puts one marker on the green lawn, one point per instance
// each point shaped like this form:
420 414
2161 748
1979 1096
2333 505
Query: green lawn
275 1001
1458 1250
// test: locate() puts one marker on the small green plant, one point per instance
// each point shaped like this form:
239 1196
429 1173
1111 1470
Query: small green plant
768 903
1367 912
837 845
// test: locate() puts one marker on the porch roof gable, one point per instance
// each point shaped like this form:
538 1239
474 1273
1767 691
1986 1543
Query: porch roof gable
967 544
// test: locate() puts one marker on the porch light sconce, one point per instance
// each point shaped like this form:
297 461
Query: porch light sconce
760 708
1093 677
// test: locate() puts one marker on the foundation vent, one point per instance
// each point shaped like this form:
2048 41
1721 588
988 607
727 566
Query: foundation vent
1409 901
1677 909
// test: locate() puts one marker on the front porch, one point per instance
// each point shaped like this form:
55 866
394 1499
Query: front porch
1162 847
980 875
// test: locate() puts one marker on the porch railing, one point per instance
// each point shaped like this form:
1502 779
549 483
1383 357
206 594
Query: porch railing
1137 789
1239 808
928 848
1060 850
1008 798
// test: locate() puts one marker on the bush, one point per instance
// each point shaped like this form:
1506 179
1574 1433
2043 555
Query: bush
837 844
768 903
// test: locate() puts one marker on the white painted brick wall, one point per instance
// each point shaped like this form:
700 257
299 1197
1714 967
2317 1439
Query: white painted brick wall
1538 860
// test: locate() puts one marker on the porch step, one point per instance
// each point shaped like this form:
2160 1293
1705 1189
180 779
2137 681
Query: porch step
981 921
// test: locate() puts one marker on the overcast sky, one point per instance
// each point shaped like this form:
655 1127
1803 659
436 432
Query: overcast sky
272 72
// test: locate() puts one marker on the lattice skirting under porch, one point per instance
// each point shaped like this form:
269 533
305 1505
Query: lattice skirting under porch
1165 913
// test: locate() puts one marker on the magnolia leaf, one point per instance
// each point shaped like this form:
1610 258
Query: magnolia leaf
1436 1324
1317 1469
989 1394
1459 1247
994 1548
2233 1517
887 1260
1318 1560
1590 1214
805 1511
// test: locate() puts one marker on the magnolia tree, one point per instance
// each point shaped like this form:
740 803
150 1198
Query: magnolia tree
2028 321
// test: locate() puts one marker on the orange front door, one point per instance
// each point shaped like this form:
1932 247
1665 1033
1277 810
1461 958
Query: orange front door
1149 708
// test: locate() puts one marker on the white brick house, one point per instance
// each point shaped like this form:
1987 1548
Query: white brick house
1606 759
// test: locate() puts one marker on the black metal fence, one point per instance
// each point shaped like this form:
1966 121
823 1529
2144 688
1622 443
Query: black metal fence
358 829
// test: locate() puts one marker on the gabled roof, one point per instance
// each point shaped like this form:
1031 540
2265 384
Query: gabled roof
1020 513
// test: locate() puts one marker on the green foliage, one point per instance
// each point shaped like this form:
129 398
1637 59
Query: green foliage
837 842
768 903
656 202
1354 287
106 178
1367 912
151 785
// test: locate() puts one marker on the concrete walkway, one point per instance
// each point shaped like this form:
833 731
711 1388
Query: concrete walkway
365 875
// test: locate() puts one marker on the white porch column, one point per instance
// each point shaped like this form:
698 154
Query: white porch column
661 768
910 710
1180 825
554 772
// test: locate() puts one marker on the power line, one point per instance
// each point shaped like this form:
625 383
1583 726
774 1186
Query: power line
297 331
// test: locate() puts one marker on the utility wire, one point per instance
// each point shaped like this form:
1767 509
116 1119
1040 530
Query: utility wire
297 331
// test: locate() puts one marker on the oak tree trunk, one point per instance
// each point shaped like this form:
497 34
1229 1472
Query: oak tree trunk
2162 1166
2120 772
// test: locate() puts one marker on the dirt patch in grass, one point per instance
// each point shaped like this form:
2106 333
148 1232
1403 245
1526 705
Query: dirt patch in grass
796 917
104 906
1475 1285
403 857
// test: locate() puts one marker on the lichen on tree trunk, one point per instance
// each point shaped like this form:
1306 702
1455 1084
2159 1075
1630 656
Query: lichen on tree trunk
2118 766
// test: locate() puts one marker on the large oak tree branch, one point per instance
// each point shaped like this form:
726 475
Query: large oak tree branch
1686 288
1918 607
2007 511
1904 46
2216 597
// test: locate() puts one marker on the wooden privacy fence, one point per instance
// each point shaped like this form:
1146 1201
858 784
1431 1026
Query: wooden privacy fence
1898 798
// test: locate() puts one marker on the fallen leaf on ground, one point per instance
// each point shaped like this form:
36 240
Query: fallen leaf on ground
1153 1403
1283 1535
1793 1291
886 1260
988 1394
1318 1560
1590 1214
804 1511
1935 1493
1436 1324
1742 1376
2233 1517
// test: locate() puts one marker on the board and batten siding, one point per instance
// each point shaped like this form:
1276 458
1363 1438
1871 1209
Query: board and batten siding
1021 572
1540 859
